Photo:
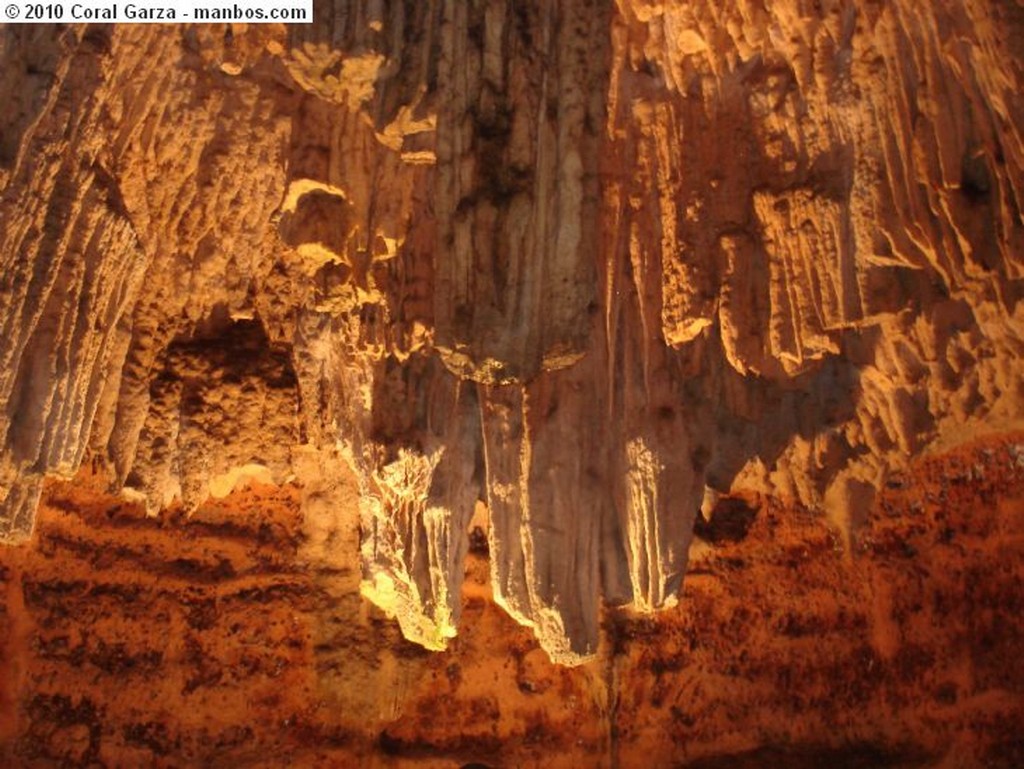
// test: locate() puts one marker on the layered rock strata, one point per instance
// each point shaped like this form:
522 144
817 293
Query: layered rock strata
581 261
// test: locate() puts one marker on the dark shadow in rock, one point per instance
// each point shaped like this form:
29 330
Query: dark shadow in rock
858 756
760 416
478 542
730 521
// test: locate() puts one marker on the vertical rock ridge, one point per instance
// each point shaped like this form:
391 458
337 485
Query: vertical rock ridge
522 91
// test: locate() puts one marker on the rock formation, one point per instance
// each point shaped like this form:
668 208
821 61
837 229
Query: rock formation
588 263
237 637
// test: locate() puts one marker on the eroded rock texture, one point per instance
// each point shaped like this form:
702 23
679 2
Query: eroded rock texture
588 262
236 637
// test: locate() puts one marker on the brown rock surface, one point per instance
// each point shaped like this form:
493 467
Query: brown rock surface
590 263
229 639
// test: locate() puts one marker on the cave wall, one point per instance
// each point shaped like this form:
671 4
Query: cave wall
589 263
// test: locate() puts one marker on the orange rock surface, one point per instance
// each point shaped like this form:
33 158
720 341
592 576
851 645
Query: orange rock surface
226 640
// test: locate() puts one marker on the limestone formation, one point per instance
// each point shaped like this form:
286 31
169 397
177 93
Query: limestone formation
579 260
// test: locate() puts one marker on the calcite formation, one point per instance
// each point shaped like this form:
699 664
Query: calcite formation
581 264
